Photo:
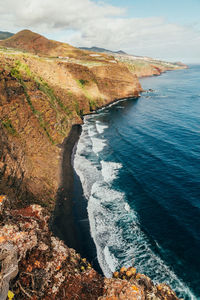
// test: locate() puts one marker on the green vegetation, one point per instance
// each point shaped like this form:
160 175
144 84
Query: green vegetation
92 102
77 109
73 99
82 82
62 121
16 73
44 87
62 111
9 127
23 67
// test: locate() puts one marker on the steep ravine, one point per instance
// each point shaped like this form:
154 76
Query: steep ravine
40 101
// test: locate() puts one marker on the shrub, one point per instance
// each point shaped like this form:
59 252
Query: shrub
82 82
9 127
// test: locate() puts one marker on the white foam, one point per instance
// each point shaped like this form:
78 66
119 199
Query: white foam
110 105
110 259
103 192
81 163
127 207
114 226
91 130
100 127
98 144
120 107
102 204
110 170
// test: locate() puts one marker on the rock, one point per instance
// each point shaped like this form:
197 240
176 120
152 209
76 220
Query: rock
131 272
165 292
121 289
144 281
9 266
47 269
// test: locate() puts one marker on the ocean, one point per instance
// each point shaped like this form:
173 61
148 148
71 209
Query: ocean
139 165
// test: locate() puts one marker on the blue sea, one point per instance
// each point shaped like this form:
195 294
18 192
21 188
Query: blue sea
139 164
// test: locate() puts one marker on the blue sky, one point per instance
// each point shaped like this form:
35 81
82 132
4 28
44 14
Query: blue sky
182 11
162 29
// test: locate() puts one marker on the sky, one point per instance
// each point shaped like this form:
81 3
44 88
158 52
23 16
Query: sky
168 30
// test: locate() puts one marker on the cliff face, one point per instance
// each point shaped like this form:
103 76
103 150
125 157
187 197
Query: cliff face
39 102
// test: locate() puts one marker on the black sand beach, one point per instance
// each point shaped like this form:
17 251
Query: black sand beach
70 220
63 223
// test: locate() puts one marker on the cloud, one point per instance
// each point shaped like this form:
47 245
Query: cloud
51 14
97 23
147 36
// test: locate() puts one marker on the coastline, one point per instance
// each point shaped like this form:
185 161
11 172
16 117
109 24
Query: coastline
69 220
44 213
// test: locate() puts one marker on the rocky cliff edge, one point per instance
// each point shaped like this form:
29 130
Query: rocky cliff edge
37 265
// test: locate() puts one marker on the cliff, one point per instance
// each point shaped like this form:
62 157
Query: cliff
48 269
45 88
40 99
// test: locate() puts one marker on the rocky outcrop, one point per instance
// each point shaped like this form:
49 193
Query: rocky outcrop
37 265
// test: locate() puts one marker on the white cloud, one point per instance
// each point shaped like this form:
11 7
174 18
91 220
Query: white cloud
51 14
98 24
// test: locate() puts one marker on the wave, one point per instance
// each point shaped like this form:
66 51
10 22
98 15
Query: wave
114 225
100 127
109 170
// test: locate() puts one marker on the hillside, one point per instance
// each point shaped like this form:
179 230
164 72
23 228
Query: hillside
4 35
40 100
43 94
102 50
35 43
142 66
31 42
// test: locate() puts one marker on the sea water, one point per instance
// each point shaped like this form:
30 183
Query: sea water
139 165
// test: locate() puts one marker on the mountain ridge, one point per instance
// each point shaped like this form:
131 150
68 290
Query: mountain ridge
5 34
102 50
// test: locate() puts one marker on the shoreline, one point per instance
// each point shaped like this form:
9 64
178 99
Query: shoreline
62 220
69 220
